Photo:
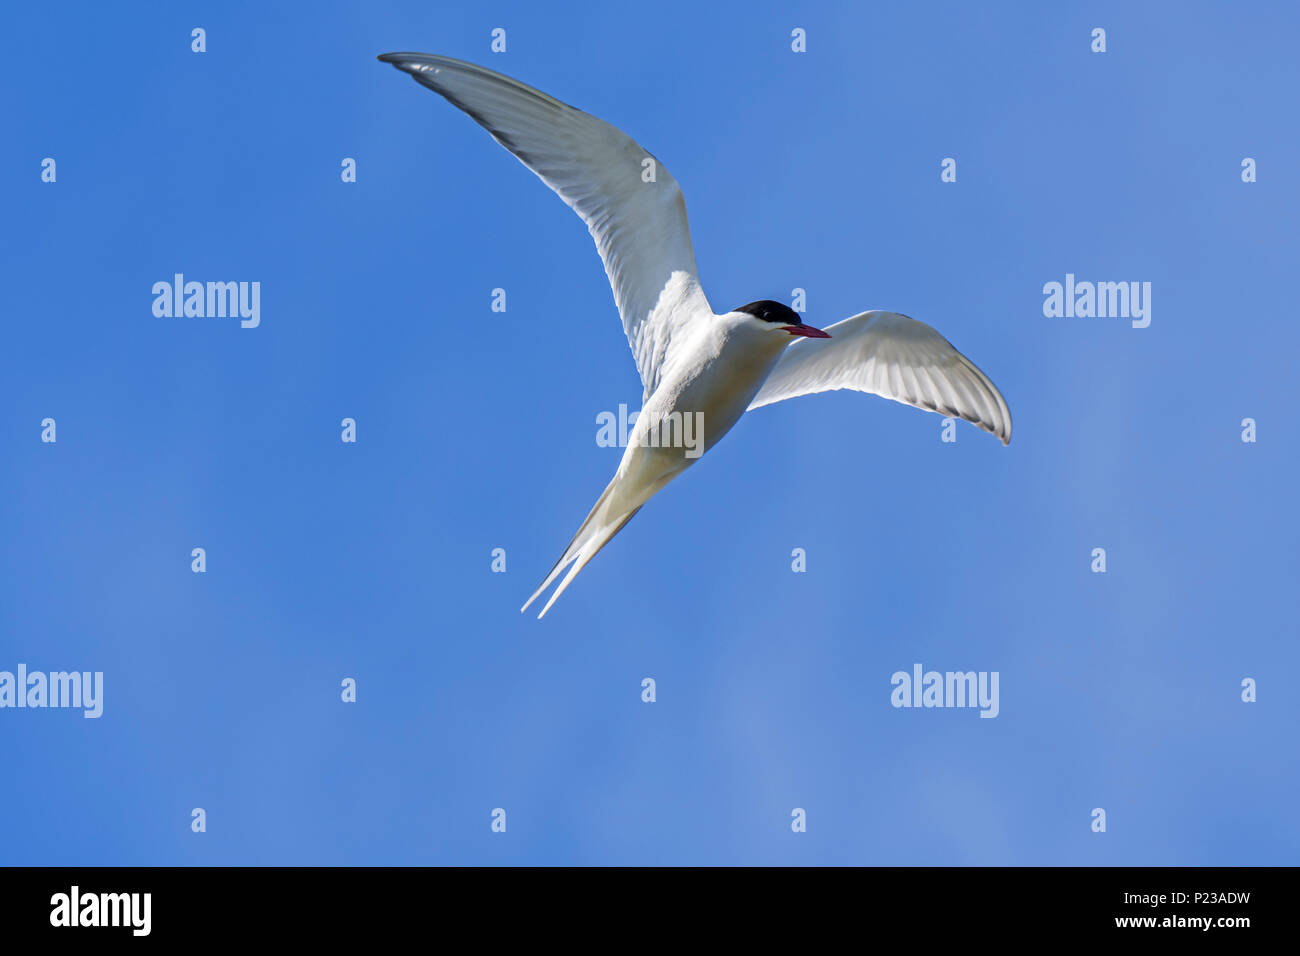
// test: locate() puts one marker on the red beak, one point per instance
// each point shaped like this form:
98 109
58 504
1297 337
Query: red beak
807 331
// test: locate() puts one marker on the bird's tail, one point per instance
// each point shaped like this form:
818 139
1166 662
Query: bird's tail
604 521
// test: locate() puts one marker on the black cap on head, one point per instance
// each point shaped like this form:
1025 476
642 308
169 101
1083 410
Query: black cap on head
770 311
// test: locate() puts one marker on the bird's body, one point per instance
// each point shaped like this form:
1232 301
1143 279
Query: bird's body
701 371
704 389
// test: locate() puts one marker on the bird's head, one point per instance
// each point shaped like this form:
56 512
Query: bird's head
778 319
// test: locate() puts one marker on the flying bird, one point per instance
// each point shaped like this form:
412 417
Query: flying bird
696 366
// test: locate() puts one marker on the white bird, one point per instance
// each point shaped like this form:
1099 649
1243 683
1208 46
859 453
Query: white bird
696 366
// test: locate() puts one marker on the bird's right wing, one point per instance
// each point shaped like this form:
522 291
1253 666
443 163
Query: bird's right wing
631 204
895 357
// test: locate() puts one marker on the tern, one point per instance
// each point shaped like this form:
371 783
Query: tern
696 365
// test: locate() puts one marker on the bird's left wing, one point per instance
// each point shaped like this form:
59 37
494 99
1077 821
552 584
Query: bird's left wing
895 357
631 204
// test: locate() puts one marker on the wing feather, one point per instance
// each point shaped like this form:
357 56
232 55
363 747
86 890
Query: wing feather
895 357
639 227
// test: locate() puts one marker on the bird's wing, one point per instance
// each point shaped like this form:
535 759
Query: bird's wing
639 226
895 357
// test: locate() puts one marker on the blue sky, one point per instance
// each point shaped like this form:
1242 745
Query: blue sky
476 430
